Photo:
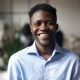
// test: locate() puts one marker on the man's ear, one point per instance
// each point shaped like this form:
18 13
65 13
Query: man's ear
31 28
56 27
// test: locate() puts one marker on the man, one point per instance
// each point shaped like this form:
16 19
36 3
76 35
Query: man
44 60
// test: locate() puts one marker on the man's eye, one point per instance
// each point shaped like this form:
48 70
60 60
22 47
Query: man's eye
38 23
50 23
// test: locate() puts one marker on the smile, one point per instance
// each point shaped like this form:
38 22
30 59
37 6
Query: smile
43 35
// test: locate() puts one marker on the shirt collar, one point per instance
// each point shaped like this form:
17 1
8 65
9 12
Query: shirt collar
33 49
58 48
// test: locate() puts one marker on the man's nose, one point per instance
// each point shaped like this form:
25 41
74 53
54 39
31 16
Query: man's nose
43 26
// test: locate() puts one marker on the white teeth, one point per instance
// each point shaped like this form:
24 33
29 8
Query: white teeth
43 35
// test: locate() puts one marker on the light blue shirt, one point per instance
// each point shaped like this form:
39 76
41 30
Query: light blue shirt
27 64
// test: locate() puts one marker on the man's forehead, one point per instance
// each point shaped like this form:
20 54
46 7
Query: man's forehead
38 15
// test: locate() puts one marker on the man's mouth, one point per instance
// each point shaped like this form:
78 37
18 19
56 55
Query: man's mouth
43 34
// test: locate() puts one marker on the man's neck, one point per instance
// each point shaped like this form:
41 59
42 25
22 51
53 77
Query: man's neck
45 51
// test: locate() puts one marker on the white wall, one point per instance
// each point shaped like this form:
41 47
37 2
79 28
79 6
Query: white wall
21 9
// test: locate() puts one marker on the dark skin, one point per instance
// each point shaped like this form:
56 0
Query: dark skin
43 27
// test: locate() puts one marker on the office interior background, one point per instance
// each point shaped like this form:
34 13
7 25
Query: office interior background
14 16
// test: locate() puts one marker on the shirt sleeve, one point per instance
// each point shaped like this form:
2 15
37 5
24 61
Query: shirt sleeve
13 69
77 69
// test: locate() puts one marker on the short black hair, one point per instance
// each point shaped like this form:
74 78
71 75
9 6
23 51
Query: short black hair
44 7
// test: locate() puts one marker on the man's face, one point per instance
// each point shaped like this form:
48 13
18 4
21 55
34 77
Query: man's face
43 27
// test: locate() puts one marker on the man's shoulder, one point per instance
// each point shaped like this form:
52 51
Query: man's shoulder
70 53
19 54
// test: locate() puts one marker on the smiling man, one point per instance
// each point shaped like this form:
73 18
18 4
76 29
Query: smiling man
43 27
44 59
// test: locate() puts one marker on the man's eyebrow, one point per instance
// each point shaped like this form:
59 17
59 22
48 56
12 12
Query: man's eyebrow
45 20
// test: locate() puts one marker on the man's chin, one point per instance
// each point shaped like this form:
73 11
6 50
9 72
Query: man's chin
45 43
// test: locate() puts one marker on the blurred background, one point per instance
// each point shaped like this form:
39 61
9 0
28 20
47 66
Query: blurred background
14 27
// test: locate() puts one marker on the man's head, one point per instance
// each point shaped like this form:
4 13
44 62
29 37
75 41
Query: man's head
43 7
43 23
